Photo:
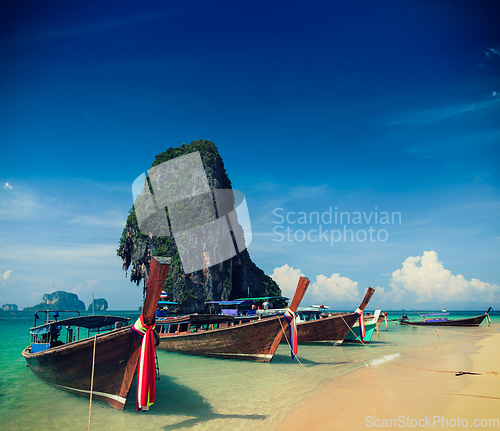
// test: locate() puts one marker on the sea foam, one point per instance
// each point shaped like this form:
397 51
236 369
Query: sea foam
382 360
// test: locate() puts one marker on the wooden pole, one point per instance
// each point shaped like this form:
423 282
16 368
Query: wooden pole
92 381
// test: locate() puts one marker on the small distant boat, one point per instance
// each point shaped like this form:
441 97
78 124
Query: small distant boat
332 328
370 321
441 319
68 365
252 337
444 309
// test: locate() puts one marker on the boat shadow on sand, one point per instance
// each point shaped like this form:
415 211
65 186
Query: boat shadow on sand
177 400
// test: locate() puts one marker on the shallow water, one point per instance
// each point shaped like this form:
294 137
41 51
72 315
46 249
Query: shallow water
196 393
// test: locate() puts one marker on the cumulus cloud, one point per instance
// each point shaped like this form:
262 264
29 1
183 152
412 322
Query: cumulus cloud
332 291
5 276
7 185
423 279
335 290
287 278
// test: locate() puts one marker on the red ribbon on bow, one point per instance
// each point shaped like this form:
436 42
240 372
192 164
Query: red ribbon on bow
362 334
146 374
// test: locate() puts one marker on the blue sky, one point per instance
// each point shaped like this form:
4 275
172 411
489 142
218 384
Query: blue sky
373 107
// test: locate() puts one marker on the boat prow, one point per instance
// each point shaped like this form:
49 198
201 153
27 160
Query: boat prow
68 365
332 328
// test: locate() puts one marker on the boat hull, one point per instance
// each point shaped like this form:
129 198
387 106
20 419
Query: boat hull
253 341
354 336
470 321
69 367
330 330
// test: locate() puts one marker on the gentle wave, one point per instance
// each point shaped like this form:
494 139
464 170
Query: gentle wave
383 359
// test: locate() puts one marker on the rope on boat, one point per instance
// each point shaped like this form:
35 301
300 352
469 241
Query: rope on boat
288 342
92 381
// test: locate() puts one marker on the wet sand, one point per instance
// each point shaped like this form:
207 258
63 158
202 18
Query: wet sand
403 393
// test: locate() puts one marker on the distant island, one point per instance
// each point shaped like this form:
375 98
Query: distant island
9 307
99 305
58 301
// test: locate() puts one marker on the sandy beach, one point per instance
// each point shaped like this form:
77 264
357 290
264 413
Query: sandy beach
405 393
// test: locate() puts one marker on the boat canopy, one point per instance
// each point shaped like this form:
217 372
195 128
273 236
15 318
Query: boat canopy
89 322
235 302
435 314
262 298
40 330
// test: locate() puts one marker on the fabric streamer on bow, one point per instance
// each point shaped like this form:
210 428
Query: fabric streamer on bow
359 312
292 332
146 374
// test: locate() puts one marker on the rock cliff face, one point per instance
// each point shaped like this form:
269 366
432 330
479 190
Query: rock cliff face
59 301
234 278
99 305
9 307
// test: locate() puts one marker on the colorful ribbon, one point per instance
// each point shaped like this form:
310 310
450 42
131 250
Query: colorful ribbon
292 332
362 334
146 374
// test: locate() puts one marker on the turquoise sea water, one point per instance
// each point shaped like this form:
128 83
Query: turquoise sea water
196 393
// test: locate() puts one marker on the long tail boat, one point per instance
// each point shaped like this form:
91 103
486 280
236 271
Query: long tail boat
441 319
68 366
370 323
382 318
331 328
224 336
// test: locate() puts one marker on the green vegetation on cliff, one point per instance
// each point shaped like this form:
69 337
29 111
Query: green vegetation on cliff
234 278
99 304
58 301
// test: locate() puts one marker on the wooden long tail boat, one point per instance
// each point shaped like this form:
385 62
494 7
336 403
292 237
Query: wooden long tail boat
382 318
223 336
330 329
441 319
69 366
370 323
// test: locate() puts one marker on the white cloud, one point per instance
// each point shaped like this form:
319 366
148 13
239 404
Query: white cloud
423 279
7 185
287 278
21 205
79 255
108 219
4 277
334 291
